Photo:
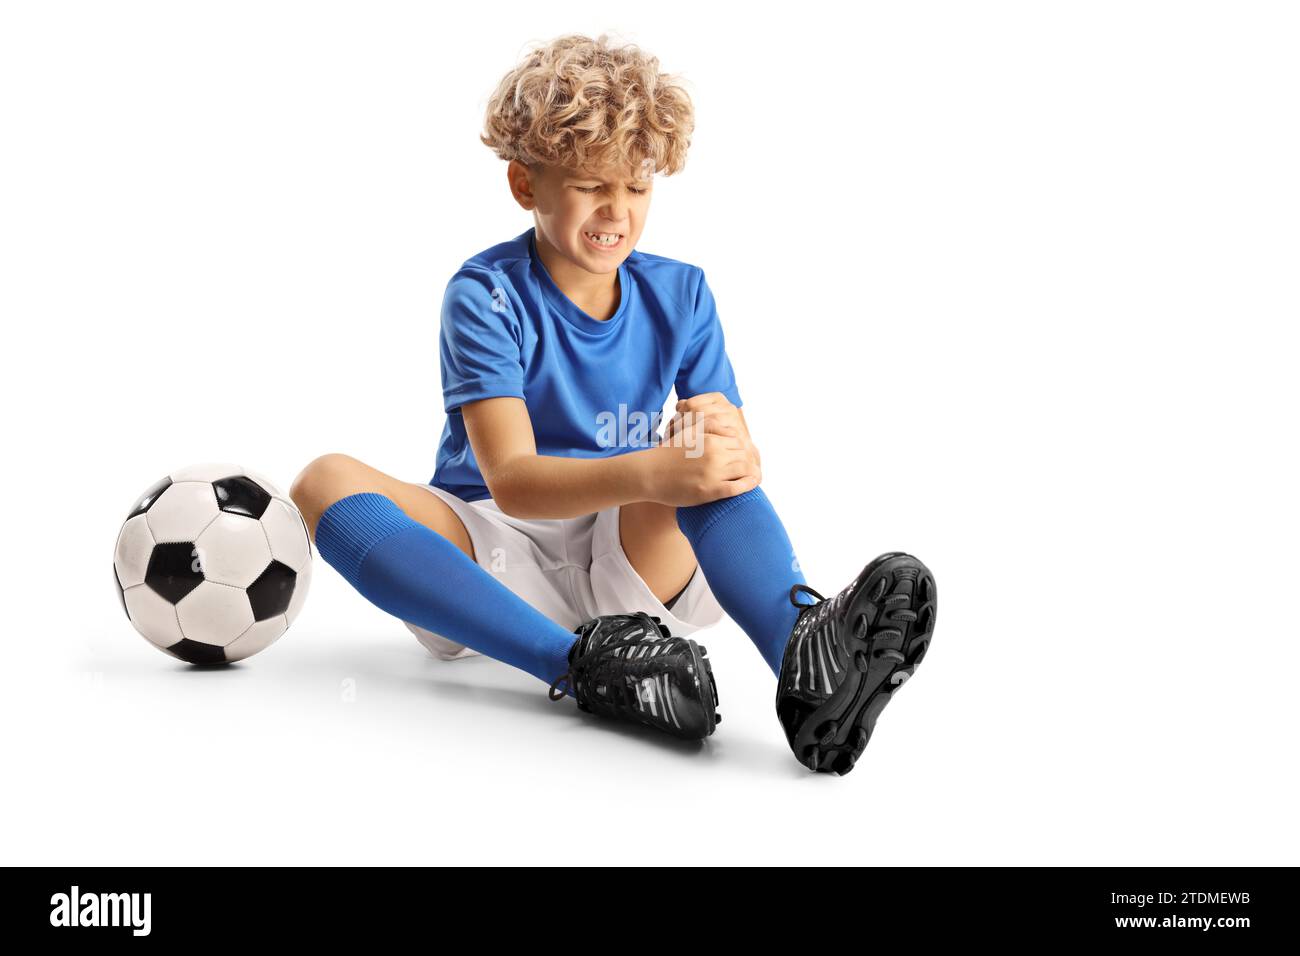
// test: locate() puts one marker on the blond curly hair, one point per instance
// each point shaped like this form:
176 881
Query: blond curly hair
585 104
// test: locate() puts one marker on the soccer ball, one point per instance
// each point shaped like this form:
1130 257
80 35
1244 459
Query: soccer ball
212 564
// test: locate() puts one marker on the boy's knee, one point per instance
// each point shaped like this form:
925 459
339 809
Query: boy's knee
323 482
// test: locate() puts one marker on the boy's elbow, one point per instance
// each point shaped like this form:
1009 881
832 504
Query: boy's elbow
512 485
506 495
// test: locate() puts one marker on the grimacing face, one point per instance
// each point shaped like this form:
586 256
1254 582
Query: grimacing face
593 219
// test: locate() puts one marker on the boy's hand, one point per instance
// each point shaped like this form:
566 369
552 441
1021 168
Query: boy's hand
716 414
705 467
702 457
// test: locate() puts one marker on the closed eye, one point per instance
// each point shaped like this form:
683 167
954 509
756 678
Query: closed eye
596 189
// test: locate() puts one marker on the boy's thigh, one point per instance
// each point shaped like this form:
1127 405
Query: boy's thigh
656 547
617 586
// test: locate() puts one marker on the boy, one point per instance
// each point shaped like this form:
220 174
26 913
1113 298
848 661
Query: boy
559 534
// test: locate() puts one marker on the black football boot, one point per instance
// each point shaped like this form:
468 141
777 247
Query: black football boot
629 667
848 655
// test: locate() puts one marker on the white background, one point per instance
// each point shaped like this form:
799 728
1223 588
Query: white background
1012 286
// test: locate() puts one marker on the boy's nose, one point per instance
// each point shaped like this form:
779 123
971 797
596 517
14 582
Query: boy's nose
616 210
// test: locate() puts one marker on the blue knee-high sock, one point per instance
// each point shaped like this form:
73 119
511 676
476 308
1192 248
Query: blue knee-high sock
750 565
414 573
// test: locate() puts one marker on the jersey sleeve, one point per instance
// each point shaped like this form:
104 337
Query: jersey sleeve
705 366
480 341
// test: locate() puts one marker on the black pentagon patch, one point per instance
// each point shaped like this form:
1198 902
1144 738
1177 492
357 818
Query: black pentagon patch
269 595
121 595
196 652
147 499
242 496
173 571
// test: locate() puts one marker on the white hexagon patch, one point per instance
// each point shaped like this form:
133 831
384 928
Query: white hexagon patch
214 613
301 585
182 512
233 550
134 546
152 616
288 536
258 637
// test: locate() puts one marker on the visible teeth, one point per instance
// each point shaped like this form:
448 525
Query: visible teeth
604 238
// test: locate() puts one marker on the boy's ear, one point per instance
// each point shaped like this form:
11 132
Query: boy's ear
520 178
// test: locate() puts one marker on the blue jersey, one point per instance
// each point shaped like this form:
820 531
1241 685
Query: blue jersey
593 388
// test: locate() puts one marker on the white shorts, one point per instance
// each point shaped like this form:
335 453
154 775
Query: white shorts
570 569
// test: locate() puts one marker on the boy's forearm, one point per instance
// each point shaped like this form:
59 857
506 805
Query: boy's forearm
547 486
